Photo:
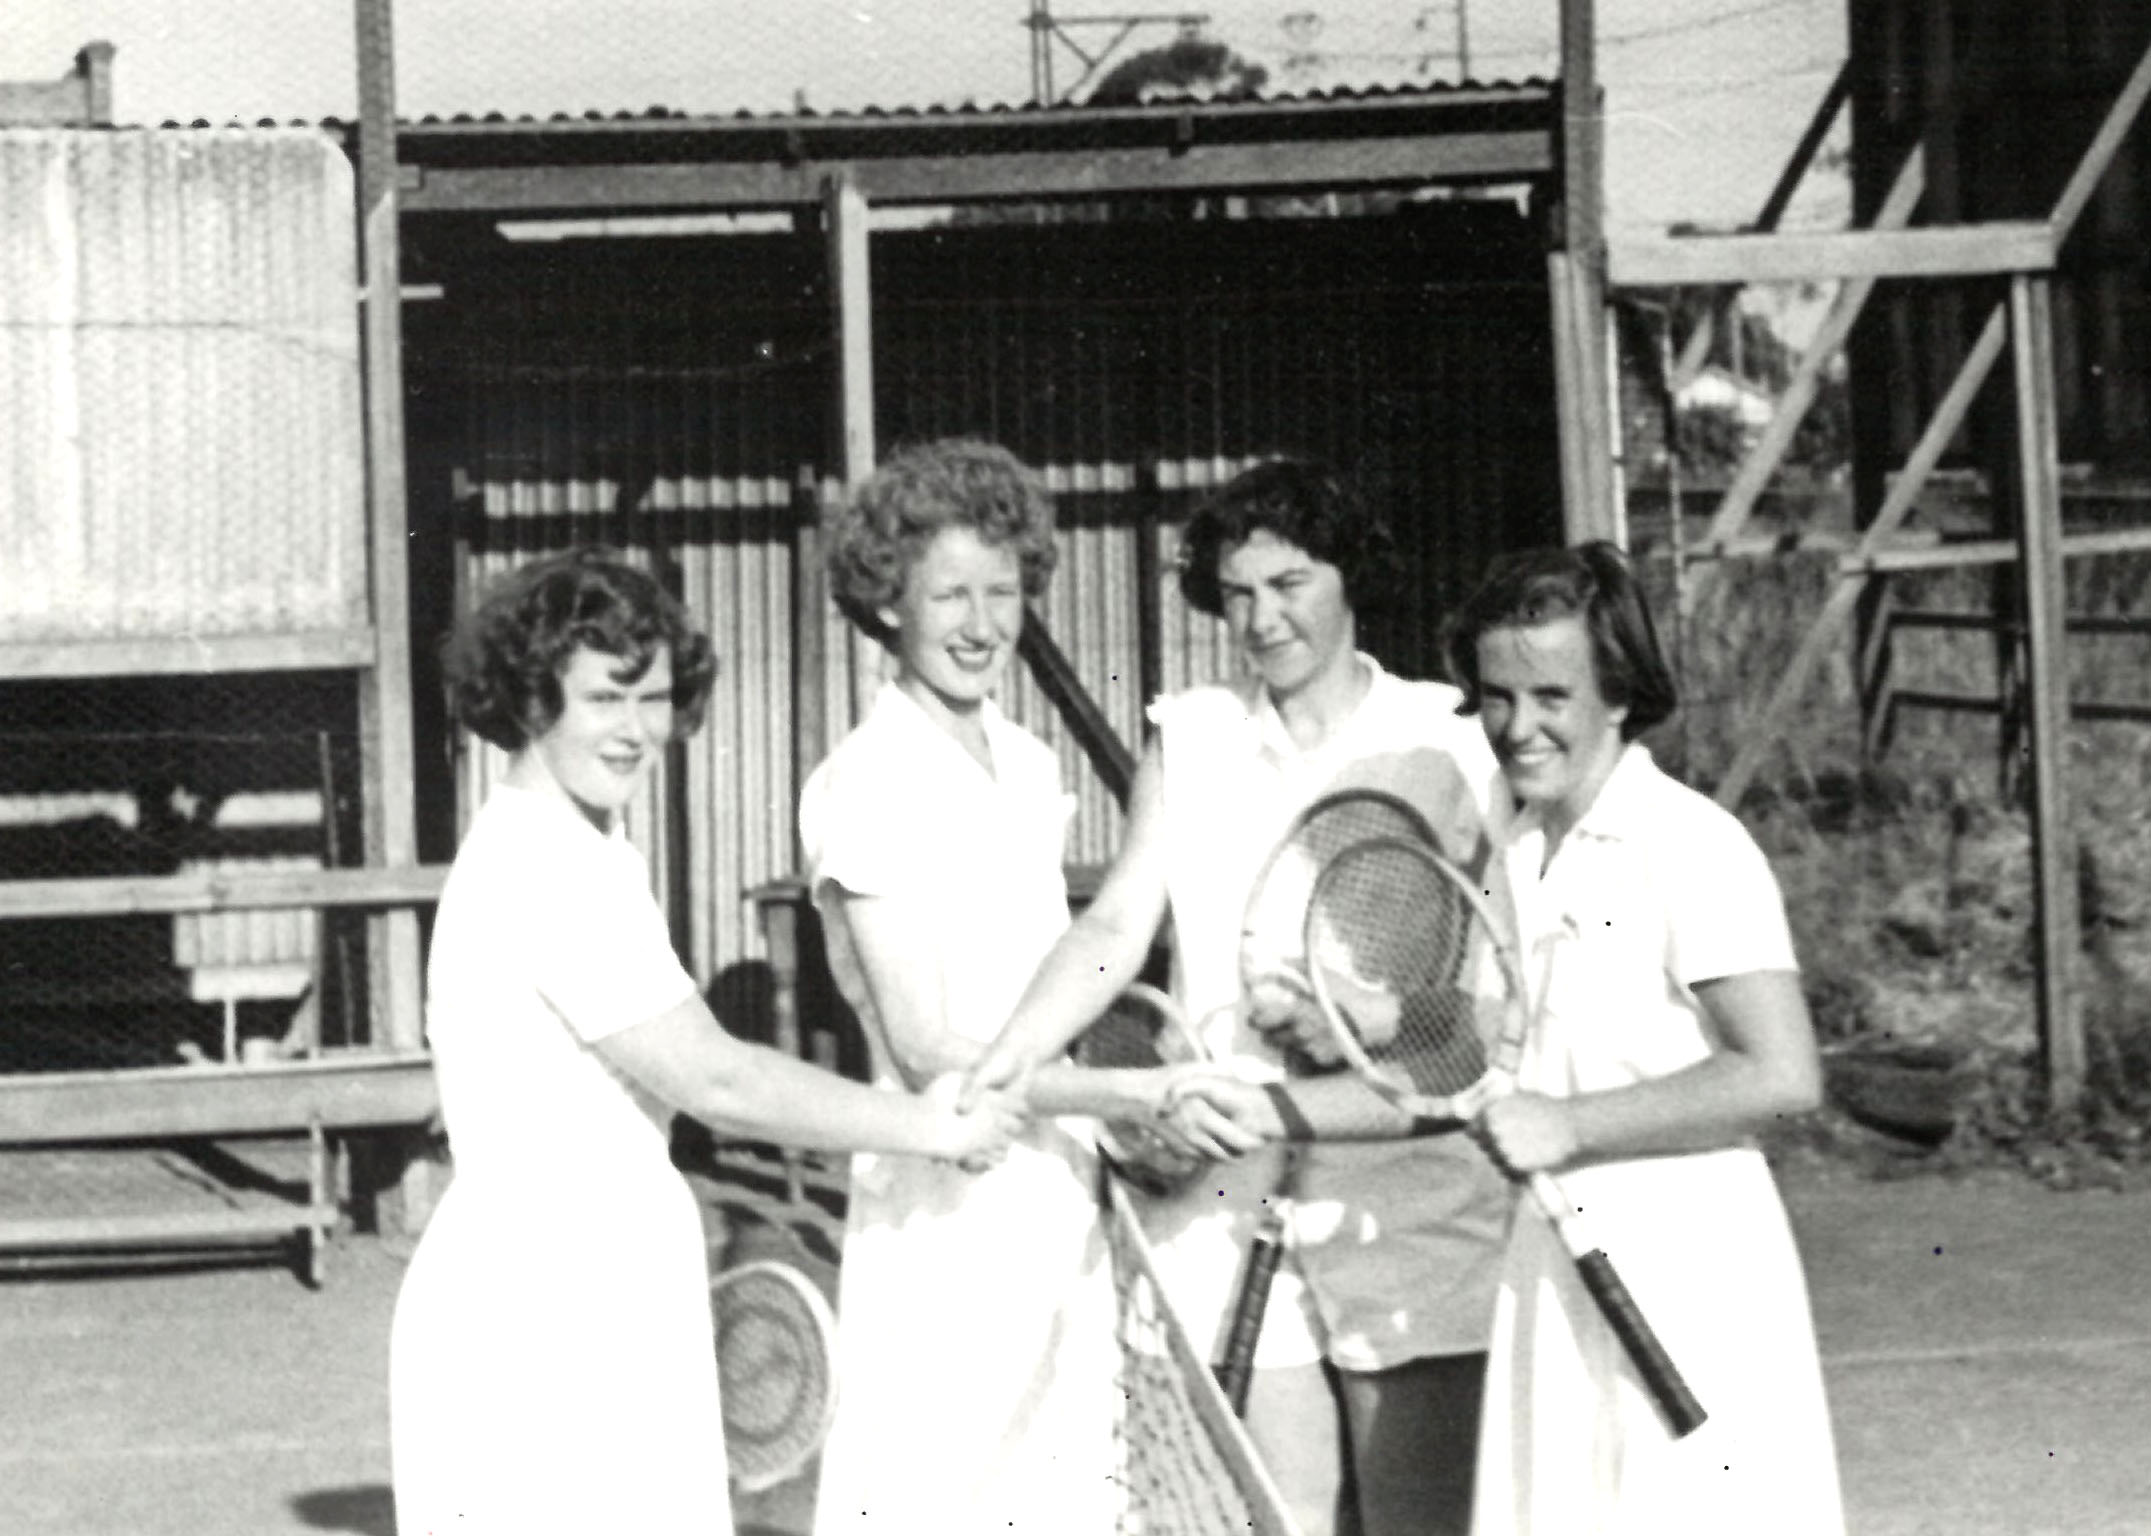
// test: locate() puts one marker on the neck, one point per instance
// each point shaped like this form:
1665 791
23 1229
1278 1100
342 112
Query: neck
1558 818
1315 709
963 719
527 771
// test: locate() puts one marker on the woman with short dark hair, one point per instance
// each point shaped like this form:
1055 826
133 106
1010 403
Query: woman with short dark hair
1670 1031
1373 1343
550 1360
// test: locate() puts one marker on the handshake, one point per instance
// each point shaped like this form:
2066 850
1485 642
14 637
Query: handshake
1165 1119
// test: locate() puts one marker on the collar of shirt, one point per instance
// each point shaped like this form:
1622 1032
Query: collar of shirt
1617 815
897 711
1275 743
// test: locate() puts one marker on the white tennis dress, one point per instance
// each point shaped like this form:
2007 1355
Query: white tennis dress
551 1367
975 1347
1653 891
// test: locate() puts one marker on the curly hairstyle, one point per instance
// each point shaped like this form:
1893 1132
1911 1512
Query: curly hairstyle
1591 581
1304 503
503 662
883 530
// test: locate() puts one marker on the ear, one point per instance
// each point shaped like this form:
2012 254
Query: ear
889 619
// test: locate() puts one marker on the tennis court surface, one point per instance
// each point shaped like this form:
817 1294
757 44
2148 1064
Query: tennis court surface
1987 1343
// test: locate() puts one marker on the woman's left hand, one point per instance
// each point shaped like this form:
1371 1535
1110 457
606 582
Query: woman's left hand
1528 1133
1199 1113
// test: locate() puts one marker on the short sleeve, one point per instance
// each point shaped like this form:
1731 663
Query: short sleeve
605 961
1725 915
862 831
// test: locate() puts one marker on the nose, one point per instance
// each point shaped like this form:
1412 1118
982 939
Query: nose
1520 723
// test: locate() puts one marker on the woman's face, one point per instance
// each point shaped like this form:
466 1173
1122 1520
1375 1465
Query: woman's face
1286 611
610 730
956 622
1551 728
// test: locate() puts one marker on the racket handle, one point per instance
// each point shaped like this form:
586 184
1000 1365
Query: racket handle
1263 1253
1683 1412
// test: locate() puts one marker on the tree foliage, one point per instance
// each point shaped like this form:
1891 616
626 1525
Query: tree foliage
1188 65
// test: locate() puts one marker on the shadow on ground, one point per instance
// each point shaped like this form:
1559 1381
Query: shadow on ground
365 1509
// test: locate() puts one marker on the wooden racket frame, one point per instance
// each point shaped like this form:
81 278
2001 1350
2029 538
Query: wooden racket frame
1676 1401
816 1306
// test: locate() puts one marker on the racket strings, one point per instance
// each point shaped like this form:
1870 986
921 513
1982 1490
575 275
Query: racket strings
1396 945
1273 929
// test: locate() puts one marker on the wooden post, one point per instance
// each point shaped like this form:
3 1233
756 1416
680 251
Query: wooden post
810 620
844 210
388 765
1583 379
2047 675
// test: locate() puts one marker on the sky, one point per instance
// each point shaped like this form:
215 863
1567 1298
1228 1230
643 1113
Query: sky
1705 98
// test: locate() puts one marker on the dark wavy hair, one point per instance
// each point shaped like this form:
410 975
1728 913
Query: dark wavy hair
883 530
1304 503
503 663
1591 581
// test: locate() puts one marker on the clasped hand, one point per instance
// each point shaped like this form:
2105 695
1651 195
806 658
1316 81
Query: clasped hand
1527 1133
976 1127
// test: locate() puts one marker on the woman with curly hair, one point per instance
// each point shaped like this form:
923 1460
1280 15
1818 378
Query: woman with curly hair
975 1312
551 1359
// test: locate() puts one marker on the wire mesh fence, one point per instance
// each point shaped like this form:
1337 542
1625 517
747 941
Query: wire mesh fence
139 778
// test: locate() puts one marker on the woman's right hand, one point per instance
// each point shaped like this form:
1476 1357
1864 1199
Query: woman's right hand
971 1126
1282 1008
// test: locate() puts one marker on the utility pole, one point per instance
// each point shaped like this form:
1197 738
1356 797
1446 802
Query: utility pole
1046 28
1423 23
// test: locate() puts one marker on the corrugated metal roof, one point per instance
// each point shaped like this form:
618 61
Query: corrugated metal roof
1450 93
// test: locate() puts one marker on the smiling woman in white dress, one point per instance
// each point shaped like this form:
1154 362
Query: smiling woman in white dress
551 1367
975 1340
1671 1030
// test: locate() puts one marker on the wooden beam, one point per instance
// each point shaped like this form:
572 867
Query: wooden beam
1591 506
345 1092
2059 934
388 759
1959 554
170 655
181 1229
223 890
1100 743
844 228
2113 131
1324 165
1696 349
1961 250
1762 460
1760 736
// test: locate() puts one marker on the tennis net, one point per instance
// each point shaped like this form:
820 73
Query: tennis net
1185 1464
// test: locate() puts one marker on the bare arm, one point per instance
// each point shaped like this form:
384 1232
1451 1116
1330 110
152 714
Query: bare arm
899 949
1765 1069
1100 953
686 1058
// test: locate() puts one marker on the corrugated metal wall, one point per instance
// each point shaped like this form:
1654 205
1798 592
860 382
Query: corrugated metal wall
2007 95
179 357
1134 364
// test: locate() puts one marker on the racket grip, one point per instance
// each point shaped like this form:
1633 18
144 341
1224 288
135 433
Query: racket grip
1238 1370
1683 1412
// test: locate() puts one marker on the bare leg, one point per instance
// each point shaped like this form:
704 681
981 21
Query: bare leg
1414 1434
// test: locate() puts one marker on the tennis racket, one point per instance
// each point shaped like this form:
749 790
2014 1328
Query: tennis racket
1273 977
1429 1007
776 1369
1143 1030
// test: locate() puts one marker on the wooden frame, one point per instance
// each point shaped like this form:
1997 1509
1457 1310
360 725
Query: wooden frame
2025 251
